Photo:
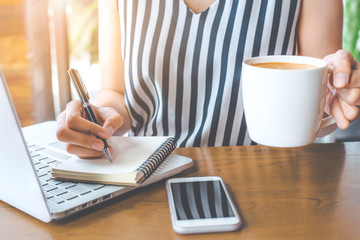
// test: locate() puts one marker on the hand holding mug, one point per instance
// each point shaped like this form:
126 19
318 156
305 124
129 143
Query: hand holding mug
343 99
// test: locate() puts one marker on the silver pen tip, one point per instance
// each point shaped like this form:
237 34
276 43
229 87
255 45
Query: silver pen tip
107 154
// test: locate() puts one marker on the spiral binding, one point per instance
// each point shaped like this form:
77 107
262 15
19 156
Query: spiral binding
151 164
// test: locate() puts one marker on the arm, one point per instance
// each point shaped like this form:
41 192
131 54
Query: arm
320 35
111 63
320 27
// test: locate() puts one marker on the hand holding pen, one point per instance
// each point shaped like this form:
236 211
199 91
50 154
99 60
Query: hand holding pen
84 97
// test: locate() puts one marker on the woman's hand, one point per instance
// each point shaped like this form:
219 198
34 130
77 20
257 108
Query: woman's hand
343 97
81 134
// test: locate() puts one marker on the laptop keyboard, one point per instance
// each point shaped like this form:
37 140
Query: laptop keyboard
56 191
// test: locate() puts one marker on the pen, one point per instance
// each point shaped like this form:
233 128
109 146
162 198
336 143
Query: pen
84 97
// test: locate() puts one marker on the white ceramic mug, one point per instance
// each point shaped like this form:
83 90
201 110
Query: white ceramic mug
284 108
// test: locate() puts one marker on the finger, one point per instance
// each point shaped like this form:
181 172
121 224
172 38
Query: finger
62 129
350 95
351 112
112 119
338 114
60 119
343 62
80 139
74 108
354 79
65 134
75 121
82 152
85 152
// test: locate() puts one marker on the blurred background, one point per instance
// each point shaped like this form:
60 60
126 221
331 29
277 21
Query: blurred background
41 39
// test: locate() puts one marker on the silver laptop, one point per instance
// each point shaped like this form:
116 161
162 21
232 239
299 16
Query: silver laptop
27 156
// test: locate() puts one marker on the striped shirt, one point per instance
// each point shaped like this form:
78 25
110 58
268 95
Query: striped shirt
182 70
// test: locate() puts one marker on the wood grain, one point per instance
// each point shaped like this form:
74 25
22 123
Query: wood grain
311 192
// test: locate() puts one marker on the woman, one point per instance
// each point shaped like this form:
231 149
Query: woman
172 67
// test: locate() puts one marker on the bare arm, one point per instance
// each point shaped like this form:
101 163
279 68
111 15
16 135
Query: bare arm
111 63
320 27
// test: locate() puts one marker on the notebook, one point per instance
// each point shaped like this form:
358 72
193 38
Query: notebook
25 180
134 159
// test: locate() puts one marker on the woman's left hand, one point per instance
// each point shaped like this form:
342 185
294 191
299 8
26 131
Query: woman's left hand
343 97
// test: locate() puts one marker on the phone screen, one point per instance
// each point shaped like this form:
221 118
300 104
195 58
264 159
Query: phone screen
200 200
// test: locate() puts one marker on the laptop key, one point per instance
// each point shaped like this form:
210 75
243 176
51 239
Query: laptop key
48 195
57 200
41 173
49 187
54 163
34 154
36 162
39 158
49 160
40 166
58 191
42 182
91 186
79 190
69 196
55 182
46 169
67 184
36 148
33 147
46 177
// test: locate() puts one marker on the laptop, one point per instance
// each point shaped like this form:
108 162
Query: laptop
27 156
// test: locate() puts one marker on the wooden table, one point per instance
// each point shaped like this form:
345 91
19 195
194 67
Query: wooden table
311 192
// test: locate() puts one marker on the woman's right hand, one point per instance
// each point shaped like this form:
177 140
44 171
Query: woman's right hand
81 134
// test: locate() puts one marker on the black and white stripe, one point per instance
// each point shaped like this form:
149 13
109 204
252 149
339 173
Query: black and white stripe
183 69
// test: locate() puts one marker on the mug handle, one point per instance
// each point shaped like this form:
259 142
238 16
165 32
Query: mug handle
328 121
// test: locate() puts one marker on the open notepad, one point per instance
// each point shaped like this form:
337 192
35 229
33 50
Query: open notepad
134 160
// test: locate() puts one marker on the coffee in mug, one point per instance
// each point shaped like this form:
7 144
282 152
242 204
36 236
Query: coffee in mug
283 65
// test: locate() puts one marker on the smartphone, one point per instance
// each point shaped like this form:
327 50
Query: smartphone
201 205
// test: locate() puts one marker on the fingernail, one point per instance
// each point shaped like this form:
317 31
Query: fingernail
340 80
102 134
110 130
97 146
